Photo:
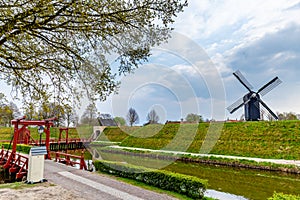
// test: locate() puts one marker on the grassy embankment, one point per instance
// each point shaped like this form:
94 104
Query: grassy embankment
279 140
6 133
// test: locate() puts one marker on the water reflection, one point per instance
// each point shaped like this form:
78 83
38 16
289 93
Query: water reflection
242 183
222 195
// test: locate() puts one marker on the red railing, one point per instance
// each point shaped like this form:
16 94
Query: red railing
67 159
17 163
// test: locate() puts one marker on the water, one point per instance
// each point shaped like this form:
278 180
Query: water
250 184
224 182
227 182
222 195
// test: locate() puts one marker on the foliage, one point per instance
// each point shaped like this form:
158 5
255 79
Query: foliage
70 116
120 121
89 116
183 184
157 190
132 116
193 118
281 196
287 116
152 117
8 111
48 48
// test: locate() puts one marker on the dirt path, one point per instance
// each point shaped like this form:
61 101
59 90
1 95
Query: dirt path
42 191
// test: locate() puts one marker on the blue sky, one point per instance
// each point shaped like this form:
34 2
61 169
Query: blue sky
193 73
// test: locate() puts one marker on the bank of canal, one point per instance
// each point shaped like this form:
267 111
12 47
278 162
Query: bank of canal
249 183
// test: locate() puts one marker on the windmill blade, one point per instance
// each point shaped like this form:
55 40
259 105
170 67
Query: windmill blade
243 80
236 105
264 112
269 86
267 108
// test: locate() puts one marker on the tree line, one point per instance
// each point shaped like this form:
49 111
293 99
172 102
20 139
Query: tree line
66 114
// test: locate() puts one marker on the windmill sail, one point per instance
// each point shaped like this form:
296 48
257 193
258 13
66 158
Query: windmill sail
251 101
236 105
243 80
268 109
269 86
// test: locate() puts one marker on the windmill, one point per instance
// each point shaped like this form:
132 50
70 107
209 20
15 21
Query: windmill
252 101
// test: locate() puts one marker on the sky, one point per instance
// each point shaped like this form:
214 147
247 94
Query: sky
212 39
192 73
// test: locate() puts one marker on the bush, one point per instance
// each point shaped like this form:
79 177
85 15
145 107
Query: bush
281 196
190 186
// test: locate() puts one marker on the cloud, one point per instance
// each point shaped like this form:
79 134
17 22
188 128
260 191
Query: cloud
276 52
261 38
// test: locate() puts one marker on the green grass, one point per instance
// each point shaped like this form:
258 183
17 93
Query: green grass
278 139
16 185
113 134
6 133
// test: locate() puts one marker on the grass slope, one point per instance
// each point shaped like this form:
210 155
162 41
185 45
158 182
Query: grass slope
280 139
6 133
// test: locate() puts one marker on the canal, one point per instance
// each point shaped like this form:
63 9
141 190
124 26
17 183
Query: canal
232 183
250 184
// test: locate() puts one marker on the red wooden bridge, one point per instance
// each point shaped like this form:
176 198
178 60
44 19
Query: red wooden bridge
18 163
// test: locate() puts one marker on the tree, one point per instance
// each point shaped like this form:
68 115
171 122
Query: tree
132 116
70 116
193 118
59 47
8 111
90 115
52 109
120 121
287 116
152 117
30 111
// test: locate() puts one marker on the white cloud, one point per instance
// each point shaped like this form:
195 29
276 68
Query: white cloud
254 36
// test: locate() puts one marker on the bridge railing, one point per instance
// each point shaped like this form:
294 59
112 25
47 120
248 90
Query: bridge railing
70 159
16 163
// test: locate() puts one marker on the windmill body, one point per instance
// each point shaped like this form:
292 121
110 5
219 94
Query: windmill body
252 110
252 102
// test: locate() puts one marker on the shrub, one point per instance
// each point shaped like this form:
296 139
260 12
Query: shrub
190 186
281 196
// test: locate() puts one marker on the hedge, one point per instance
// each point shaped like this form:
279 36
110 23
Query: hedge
20 147
281 196
188 185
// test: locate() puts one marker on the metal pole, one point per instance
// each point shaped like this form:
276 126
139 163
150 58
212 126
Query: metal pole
40 139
